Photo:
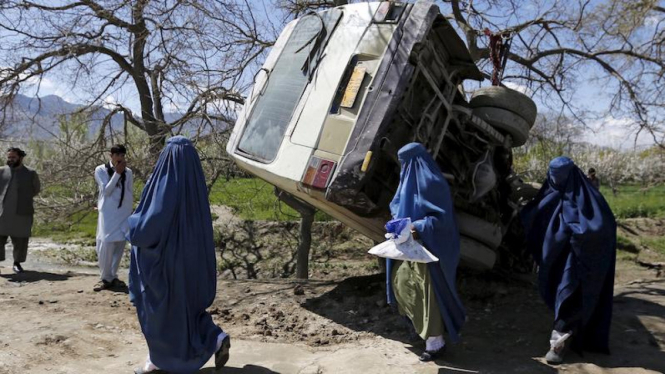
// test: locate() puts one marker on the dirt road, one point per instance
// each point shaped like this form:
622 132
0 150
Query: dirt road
52 322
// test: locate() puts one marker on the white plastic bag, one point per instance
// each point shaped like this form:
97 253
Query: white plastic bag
484 177
403 247
410 250
404 234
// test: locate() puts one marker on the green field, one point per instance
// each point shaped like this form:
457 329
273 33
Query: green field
635 201
82 225
253 199
655 243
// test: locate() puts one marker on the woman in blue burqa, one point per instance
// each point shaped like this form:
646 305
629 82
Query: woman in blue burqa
426 292
173 275
571 233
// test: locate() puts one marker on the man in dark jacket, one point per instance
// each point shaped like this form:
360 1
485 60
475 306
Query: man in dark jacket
18 187
593 179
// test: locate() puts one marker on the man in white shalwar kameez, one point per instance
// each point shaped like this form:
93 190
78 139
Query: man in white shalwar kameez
114 205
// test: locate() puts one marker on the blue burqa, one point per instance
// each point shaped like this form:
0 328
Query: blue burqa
424 196
172 277
571 233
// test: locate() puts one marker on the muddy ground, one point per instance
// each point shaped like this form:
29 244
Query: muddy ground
52 321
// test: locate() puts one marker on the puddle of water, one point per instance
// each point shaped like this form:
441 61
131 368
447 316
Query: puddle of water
38 263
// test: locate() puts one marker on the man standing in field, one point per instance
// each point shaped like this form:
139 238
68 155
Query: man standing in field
593 179
18 187
115 204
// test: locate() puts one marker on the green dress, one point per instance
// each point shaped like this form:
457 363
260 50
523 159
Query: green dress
415 297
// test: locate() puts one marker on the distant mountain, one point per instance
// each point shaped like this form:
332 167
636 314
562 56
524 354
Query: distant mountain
39 118
44 105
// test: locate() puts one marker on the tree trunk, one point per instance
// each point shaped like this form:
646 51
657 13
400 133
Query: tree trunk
157 141
154 126
302 264
306 219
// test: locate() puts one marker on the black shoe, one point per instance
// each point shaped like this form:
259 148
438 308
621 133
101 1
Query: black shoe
17 268
431 356
117 283
222 355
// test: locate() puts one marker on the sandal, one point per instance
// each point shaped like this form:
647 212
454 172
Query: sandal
431 356
102 285
222 355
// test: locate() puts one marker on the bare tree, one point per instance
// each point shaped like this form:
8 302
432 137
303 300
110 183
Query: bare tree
189 57
192 54
171 67
557 46
554 135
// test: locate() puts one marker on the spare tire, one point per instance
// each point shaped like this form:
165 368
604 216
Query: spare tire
476 255
505 121
478 229
505 98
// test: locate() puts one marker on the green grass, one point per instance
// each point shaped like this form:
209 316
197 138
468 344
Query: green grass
254 199
654 243
634 201
625 244
250 199
81 226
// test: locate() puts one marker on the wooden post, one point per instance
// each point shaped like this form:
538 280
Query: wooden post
306 212
302 264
